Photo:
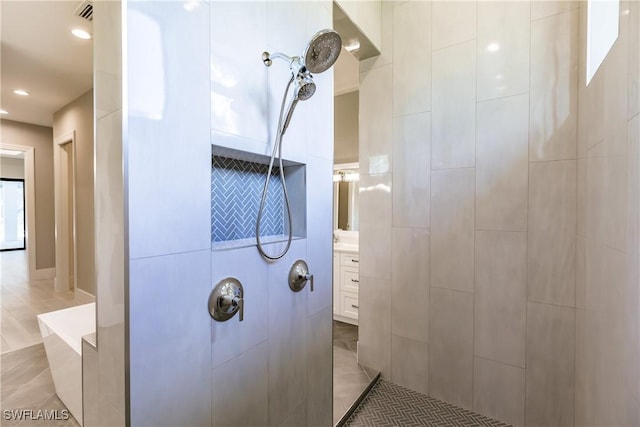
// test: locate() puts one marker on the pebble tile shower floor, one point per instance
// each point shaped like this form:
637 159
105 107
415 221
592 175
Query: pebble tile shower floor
390 405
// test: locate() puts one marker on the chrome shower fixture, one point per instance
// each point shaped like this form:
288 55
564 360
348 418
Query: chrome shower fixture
320 54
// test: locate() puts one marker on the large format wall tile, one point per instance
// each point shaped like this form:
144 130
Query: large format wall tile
166 184
499 391
550 365
376 132
552 232
320 232
606 204
411 58
410 284
287 328
169 329
454 106
553 87
500 296
633 107
453 22
238 33
239 392
451 346
319 364
410 363
452 228
503 48
375 226
411 167
502 160
374 329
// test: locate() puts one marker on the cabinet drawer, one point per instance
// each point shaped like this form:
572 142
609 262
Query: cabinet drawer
349 305
349 260
349 279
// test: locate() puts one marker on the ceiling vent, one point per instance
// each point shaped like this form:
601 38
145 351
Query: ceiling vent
85 10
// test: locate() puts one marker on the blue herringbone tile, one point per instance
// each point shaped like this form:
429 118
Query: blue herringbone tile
236 188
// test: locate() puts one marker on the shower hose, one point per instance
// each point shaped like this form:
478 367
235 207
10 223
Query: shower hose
277 150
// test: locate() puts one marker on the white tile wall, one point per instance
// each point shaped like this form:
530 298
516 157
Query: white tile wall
503 49
453 105
411 152
501 164
411 58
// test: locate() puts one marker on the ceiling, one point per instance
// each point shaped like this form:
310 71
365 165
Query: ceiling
40 55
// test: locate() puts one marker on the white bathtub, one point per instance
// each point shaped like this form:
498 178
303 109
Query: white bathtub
62 333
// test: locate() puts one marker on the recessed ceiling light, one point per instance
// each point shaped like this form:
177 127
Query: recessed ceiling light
4 112
81 34
21 92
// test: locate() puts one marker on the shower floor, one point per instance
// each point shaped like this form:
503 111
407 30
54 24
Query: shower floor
389 405
349 378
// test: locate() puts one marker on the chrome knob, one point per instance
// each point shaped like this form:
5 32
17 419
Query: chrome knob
227 299
299 276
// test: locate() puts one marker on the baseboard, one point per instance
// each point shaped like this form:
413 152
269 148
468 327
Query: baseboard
86 293
44 273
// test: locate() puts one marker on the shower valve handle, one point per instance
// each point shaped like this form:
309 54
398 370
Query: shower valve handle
310 278
233 304
227 299
299 276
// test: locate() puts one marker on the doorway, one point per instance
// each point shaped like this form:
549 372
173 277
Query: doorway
12 214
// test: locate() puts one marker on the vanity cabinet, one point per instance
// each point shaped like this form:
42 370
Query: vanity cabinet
346 284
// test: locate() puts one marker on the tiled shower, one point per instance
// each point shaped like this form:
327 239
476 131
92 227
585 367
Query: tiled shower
500 211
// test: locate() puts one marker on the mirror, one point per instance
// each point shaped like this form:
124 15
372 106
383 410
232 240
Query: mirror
346 189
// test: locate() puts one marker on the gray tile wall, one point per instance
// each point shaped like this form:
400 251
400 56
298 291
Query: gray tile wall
514 202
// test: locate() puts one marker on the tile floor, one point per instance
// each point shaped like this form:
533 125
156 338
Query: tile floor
349 378
22 300
388 404
27 385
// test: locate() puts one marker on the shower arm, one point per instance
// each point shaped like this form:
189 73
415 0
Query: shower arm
268 58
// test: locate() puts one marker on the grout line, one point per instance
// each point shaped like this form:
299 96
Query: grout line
498 361
526 289
499 98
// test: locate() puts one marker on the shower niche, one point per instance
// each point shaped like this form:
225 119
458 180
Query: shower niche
237 182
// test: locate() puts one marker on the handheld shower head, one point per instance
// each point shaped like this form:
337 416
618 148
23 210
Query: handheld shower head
323 51
305 87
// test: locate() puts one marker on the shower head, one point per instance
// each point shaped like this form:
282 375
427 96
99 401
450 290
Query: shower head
305 87
323 51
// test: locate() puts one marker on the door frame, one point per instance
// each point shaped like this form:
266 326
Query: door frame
65 279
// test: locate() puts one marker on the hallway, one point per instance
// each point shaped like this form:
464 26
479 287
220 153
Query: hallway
22 300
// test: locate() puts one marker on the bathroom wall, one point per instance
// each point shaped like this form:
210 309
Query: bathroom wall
280 355
41 139
607 275
346 128
475 209
78 116
179 77
11 167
